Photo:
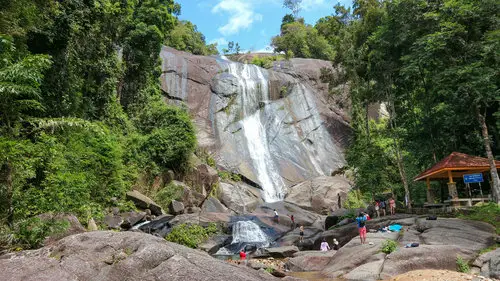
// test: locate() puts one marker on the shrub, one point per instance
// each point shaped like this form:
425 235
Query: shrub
167 194
462 265
191 235
354 200
31 233
489 213
266 61
225 175
389 246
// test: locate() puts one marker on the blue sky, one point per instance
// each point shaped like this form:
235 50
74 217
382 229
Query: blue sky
251 23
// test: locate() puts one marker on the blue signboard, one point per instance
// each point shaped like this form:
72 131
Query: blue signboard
472 178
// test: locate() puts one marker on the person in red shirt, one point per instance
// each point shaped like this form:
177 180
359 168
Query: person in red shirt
243 256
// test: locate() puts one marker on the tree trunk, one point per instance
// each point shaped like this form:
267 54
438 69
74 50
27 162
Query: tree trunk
399 158
367 122
495 188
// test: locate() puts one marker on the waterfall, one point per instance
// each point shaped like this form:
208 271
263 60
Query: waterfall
254 89
249 232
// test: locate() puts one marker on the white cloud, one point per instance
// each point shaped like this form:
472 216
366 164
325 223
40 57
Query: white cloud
220 41
241 15
313 4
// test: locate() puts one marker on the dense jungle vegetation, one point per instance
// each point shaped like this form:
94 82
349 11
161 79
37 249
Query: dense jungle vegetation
82 118
434 64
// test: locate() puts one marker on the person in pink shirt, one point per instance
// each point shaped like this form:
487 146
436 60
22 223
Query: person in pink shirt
392 205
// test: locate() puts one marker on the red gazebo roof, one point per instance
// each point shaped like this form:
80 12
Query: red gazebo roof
460 163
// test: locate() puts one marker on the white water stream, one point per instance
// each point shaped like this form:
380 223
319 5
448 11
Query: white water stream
247 231
254 89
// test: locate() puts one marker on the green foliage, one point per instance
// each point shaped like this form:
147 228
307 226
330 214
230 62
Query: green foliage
186 37
303 41
72 163
19 85
31 233
266 61
171 139
82 116
489 213
389 246
489 249
354 200
269 270
168 193
225 175
293 5
191 235
462 266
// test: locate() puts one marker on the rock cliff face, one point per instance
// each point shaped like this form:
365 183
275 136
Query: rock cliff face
110 256
275 127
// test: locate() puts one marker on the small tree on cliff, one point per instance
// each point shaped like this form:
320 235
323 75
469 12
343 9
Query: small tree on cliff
293 5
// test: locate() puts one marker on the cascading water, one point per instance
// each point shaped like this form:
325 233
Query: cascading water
244 233
249 232
254 90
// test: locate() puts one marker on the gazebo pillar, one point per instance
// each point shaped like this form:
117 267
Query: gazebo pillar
452 189
430 195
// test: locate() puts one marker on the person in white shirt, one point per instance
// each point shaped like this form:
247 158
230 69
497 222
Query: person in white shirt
324 246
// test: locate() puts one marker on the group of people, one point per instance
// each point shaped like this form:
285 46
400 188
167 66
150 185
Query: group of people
381 205
292 218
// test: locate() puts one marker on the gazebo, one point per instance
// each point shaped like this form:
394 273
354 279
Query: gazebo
454 166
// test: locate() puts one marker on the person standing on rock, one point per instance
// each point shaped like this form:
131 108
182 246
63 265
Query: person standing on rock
324 246
301 233
335 244
276 217
392 206
382 207
293 221
361 221
377 208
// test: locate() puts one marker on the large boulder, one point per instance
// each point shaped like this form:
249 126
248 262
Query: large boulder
321 194
310 260
281 252
214 243
120 256
213 205
160 227
74 226
202 178
143 202
355 258
175 207
440 242
190 197
132 218
239 197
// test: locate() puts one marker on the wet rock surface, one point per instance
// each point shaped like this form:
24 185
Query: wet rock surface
110 256
303 127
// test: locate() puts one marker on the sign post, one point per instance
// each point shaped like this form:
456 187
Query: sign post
474 178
